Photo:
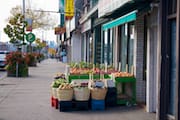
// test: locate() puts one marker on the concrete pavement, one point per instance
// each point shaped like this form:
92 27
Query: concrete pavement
29 99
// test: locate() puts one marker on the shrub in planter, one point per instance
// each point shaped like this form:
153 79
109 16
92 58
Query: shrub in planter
16 60
31 59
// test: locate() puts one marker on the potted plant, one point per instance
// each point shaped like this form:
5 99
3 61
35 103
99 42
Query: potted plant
16 65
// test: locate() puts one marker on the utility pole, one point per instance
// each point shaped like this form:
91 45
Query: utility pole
23 12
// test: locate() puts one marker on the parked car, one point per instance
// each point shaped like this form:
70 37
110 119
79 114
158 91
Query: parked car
3 59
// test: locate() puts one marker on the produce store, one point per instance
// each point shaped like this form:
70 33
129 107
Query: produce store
86 86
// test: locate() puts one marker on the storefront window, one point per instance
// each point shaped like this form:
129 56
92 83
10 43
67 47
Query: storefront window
105 46
172 82
131 47
123 47
82 46
126 46
91 49
108 46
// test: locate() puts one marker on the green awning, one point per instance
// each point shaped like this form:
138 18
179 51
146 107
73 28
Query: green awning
119 21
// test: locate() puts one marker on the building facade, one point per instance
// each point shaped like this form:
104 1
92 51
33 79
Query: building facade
139 37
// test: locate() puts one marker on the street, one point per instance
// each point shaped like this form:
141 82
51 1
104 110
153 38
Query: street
29 99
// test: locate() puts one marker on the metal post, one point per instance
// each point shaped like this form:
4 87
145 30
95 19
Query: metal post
17 65
23 12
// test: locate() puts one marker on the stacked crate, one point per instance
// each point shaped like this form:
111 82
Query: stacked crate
111 97
98 94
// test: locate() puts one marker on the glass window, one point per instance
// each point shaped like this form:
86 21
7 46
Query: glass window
172 5
123 47
130 47
91 49
82 46
105 46
108 46
172 82
126 46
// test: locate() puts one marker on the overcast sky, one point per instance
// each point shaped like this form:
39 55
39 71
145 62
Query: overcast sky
6 5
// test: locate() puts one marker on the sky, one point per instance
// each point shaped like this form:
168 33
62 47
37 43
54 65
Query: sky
47 5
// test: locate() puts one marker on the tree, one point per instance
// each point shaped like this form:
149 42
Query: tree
40 44
15 29
40 18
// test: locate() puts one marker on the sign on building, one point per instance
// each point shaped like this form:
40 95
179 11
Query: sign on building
60 30
69 9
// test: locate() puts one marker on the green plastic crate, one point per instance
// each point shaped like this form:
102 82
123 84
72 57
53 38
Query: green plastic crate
86 76
123 81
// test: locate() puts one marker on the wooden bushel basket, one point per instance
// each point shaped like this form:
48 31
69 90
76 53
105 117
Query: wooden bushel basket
97 93
65 95
81 93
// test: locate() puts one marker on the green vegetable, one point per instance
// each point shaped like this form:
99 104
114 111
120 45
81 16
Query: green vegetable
56 83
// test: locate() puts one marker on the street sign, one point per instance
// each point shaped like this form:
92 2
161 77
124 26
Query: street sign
30 37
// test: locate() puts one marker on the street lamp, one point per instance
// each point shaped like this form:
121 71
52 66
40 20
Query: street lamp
23 12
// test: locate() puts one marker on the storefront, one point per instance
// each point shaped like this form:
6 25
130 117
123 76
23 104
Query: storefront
124 29
124 45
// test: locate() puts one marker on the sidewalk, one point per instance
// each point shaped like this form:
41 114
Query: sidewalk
29 99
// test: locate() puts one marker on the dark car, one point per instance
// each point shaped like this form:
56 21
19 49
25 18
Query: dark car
3 59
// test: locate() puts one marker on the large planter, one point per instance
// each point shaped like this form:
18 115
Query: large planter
31 59
22 72
16 65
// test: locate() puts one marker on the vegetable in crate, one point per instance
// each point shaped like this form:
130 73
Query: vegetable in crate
58 82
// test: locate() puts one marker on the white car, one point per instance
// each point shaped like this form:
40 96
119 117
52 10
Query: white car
3 59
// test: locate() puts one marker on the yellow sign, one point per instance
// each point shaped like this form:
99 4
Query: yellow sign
69 9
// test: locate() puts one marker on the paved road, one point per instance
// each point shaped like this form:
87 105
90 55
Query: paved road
29 99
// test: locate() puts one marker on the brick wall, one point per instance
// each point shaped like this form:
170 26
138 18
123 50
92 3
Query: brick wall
139 53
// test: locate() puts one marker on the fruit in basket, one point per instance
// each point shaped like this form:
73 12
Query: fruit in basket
123 74
65 86
96 70
74 71
80 71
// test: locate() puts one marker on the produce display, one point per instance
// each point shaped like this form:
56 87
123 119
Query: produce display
77 83
87 68
59 75
80 71
65 86
122 74
57 82
86 81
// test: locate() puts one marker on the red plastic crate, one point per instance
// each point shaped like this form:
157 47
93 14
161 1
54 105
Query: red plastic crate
56 103
52 102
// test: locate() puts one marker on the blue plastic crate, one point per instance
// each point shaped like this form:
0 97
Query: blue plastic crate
98 104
